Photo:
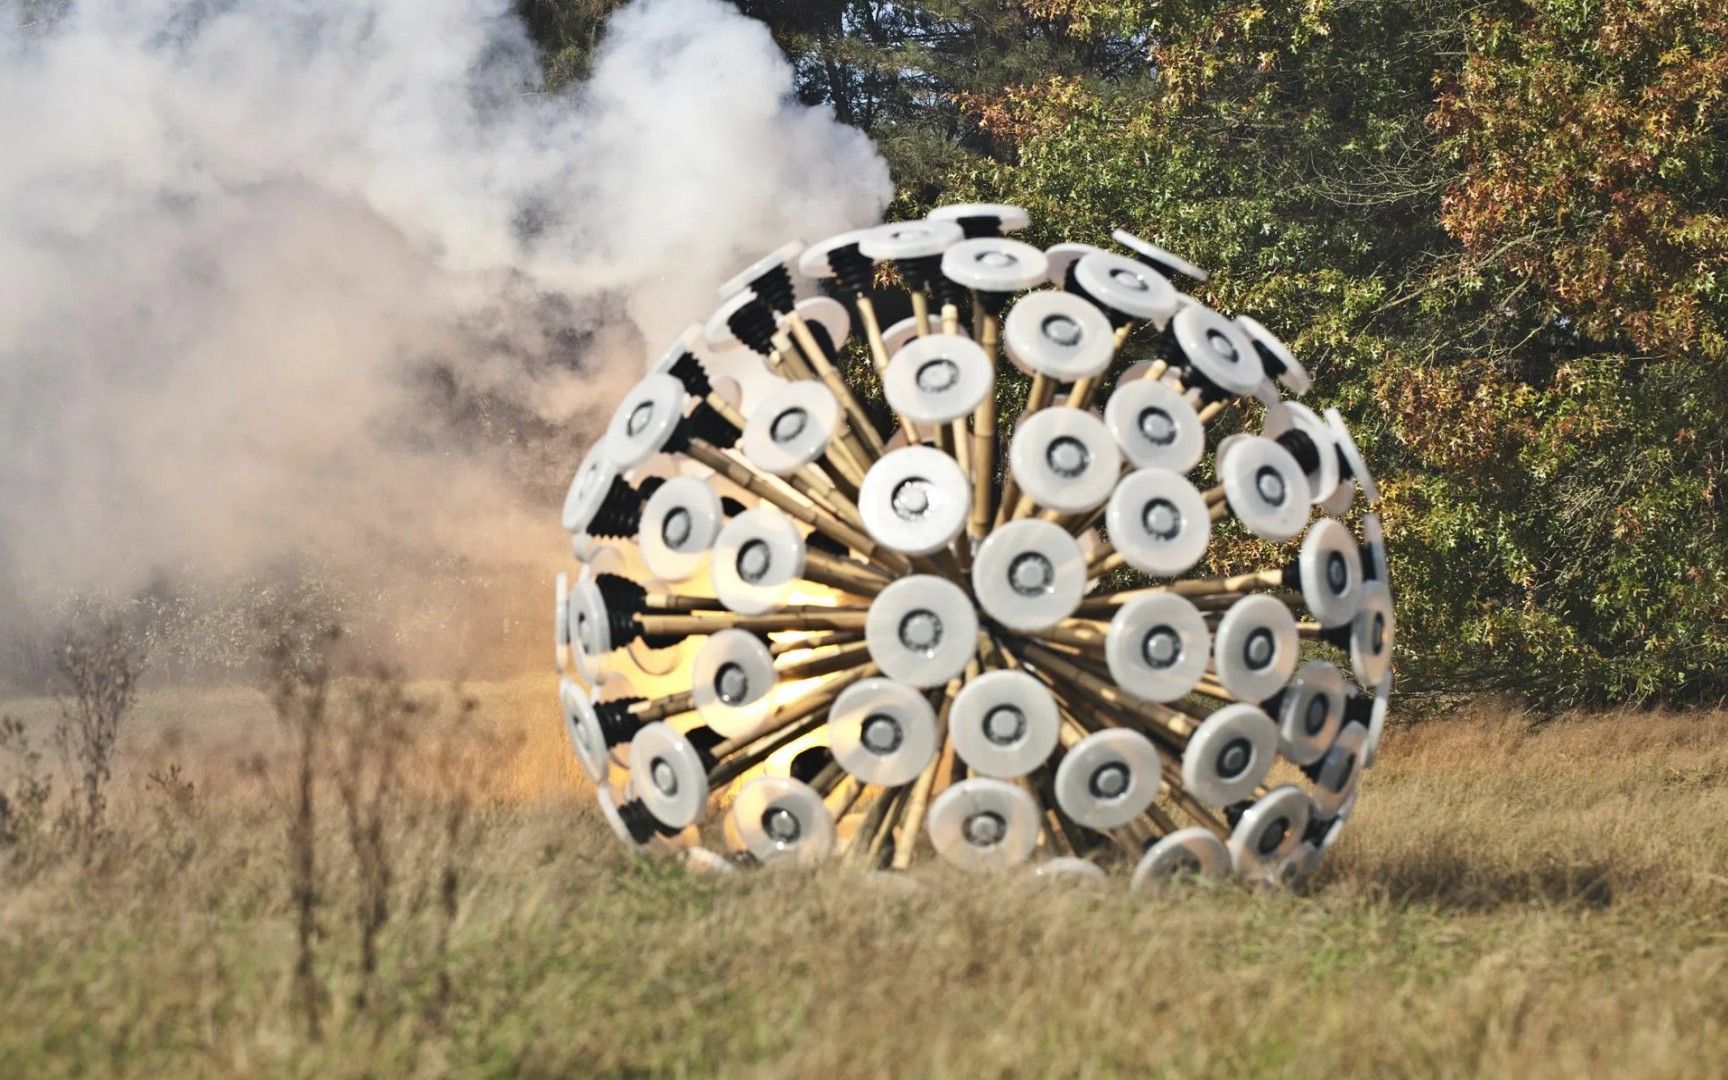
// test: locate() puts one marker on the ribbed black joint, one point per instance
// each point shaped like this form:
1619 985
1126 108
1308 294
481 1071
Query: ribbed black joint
706 424
641 823
994 302
689 371
617 726
776 290
620 512
854 270
705 739
755 326
731 507
1302 448
920 272
980 225
1269 360
827 545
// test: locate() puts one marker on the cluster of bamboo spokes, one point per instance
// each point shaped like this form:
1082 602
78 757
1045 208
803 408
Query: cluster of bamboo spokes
811 624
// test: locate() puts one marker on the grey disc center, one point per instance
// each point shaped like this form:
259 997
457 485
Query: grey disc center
911 498
1157 426
881 734
936 376
789 425
1004 725
781 825
921 631
1067 456
985 829
1162 519
754 561
1031 574
1162 647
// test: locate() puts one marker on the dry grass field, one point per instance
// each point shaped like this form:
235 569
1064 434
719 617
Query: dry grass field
1511 899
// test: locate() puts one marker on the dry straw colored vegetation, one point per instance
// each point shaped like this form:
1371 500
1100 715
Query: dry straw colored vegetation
1547 900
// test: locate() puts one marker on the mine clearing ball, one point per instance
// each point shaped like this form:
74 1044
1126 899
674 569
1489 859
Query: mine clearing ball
808 627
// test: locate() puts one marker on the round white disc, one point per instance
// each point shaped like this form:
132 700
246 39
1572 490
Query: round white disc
915 500
588 489
921 630
1004 724
831 315
882 732
791 427
1191 852
1265 487
939 378
1108 778
1377 719
994 264
1340 769
815 262
1163 261
644 420
590 632
1060 335
1310 711
1374 550
1131 288
1159 522
1351 458
730 681
1029 575
779 818
1064 459
1268 831
984 824
1063 256
1157 646
1154 425
1330 569
680 523
1229 754
1069 868
779 257
1218 349
1294 377
668 773
1323 477
561 622
758 559
1255 647
583 727
1008 218
1371 635
910 239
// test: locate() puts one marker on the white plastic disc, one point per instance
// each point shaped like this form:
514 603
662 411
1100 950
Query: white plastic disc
1218 349
1229 754
939 378
590 632
882 732
1158 521
1069 868
1256 647
730 682
1004 724
758 558
1269 830
1128 287
588 489
984 824
1163 261
1377 719
1029 575
1323 474
1374 550
921 630
816 260
1157 647
1064 459
1154 425
1058 334
1008 218
915 500
680 523
1340 769
895 337
1330 569
791 427
781 256
1351 458
1293 377
779 818
1108 778
910 239
703 860
1371 634
1191 852
561 622
688 341
583 727
1339 502
1310 712
1265 487
995 264
645 419
669 775
1063 256
831 315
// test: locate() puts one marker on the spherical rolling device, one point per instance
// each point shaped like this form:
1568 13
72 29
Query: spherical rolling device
892 621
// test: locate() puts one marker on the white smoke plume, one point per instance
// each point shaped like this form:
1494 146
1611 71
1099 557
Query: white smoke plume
334 287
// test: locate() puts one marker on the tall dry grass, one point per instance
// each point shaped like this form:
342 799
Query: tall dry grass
1512 899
